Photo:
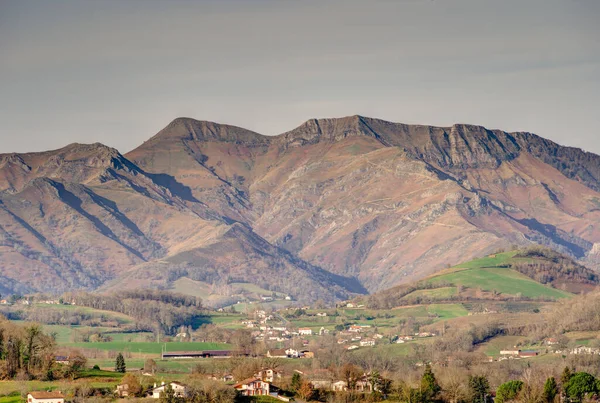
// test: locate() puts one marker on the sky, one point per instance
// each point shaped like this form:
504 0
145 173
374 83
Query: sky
117 72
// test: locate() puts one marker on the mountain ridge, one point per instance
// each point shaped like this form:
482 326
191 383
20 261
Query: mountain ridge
369 201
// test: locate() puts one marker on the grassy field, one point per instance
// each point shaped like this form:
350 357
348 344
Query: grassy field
440 293
495 345
496 260
447 311
502 280
150 347
166 368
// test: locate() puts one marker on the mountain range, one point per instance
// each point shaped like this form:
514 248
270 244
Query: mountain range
331 209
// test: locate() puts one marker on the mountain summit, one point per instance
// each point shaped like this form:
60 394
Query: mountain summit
343 206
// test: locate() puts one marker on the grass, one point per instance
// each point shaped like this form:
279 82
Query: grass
496 260
98 373
129 337
440 293
502 280
150 347
495 345
165 367
448 311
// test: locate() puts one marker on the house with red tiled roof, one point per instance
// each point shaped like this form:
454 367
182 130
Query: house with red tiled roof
253 387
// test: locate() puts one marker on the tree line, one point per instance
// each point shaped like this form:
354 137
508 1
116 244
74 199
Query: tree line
153 310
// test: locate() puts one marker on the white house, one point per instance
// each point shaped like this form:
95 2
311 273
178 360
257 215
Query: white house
367 343
305 331
292 353
45 397
510 352
179 389
339 386
267 374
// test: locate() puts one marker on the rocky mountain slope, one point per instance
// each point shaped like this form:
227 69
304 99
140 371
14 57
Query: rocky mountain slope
335 205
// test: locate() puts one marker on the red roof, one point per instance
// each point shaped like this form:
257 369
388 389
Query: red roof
246 382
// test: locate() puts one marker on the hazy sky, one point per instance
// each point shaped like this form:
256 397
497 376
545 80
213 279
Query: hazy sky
117 72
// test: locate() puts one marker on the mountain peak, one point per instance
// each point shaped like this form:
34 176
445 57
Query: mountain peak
202 130
327 129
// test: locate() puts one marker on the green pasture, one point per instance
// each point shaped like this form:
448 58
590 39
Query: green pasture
502 280
150 347
431 294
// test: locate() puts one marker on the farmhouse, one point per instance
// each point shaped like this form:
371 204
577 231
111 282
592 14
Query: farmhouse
61 359
253 387
367 343
355 329
305 331
290 352
45 397
179 389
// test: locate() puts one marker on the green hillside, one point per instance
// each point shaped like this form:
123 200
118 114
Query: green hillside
500 280
535 273
494 273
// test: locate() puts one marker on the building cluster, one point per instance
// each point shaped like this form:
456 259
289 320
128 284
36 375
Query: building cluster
321 379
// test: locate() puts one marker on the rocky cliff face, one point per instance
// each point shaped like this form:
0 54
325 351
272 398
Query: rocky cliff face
338 204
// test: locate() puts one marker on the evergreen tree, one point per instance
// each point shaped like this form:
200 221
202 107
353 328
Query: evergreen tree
566 376
429 385
579 386
550 390
508 391
296 382
479 387
120 364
